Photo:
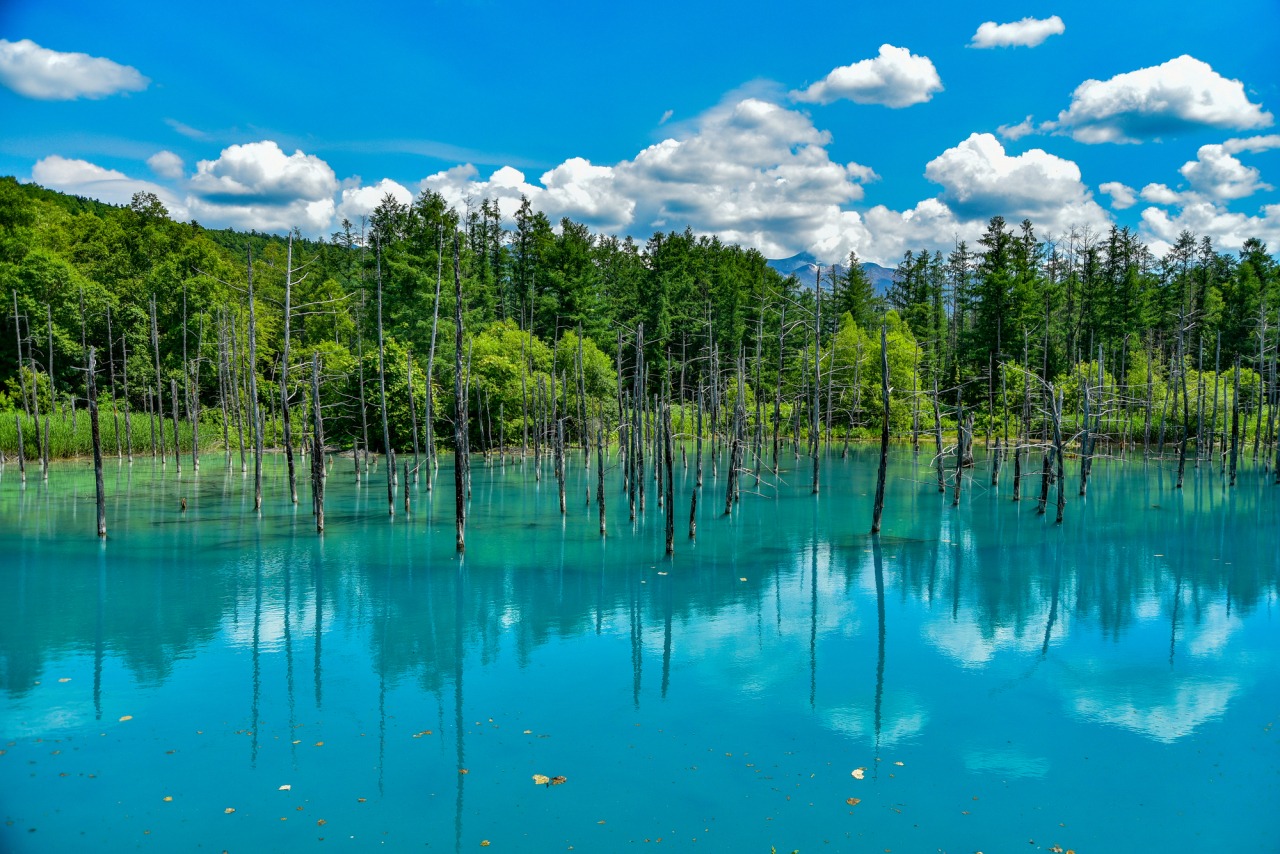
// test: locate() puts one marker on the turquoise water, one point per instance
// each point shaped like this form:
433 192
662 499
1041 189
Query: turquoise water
1006 684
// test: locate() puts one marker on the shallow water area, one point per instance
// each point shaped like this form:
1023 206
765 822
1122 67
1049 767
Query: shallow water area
975 679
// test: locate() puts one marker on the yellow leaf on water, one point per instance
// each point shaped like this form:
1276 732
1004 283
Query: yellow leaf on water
168 798
65 679
541 779
361 800
321 822
859 773
899 764
742 579
528 732
484 843
319 744
556 781
229 810
286 787
126 718
853 802
297 741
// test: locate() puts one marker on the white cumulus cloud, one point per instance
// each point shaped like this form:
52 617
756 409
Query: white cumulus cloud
895 78
981 180
749 171
1154 102
1026 127
82 178
1028 32
1228 229
260 171
1122 195
1252 144
1219 174
49 75
358 201
1161 194
256 185
166 164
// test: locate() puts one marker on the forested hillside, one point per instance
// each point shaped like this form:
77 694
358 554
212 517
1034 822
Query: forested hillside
1153 340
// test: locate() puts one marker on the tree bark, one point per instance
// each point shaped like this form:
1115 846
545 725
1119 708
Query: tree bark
255 412
459 424
382 393
317 456
99 491
884 432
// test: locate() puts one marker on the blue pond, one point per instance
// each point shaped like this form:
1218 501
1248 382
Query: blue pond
979 679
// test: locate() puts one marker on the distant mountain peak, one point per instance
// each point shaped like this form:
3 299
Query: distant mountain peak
804 266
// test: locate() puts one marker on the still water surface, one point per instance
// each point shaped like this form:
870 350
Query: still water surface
214 680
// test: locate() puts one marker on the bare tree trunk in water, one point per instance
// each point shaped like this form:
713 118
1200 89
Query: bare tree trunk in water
317 453
382 390
155 346
884 432
255 412
459 409
99 492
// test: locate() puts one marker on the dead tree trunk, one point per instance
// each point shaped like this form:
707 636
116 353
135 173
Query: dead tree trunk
1235 423
255 412
429 402
22 450
459 410
559 463
53 395
960 448
286 421
815 418
698 443
413 420
777 392
317 456
99 493
234 380
638 472
111 372
224 385
155 347
173 399
382 393
939 460
1186 408
17 329
600 478
1055 412
1086 442
124 375
882 472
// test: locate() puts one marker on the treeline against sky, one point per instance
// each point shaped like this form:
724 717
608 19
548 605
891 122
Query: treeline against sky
980 323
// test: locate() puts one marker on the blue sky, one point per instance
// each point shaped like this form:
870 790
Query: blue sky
829 128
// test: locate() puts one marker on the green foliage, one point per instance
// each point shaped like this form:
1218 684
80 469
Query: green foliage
964 319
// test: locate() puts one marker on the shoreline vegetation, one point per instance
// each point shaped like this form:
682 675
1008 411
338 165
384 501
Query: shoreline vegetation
125 328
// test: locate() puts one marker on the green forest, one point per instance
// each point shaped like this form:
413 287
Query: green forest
1126 347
